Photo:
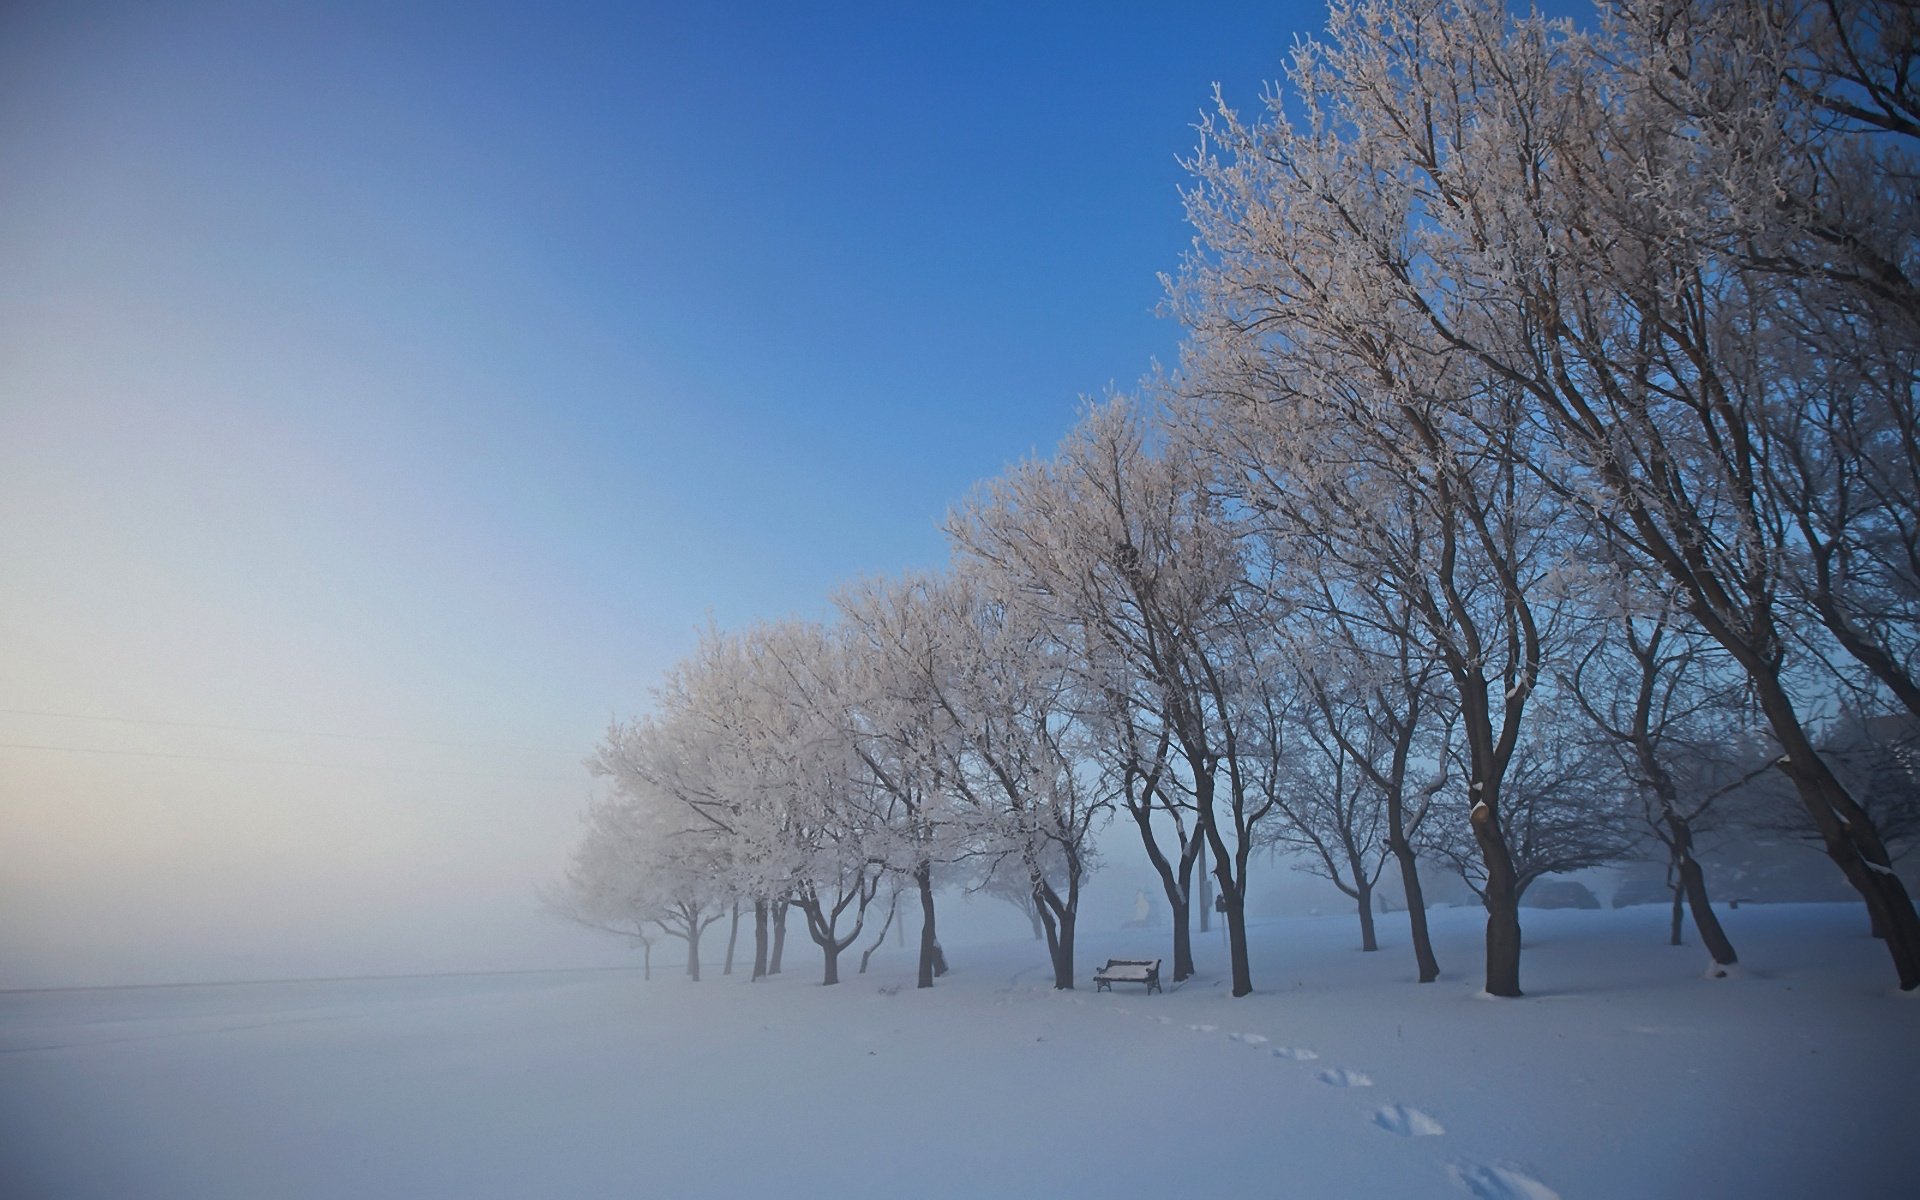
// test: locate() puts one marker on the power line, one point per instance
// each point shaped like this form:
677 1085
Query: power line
274 762
352 737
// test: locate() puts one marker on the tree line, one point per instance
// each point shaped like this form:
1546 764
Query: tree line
1542 463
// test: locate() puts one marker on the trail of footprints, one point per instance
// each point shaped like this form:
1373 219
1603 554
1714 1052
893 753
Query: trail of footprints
1484 1181
1481 1180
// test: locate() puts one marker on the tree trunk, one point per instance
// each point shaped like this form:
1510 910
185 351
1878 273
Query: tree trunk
779 936
1365 901
1850 837
1051 924
647 961
1182 942
1848 834
929 938
1237 938
867 955
1234 900
1059 917
1502 901
733 938
759 940
830 950
1174 883
1063 953
1206 898
693 949
1416 899
1689 881
1694 882
1674 917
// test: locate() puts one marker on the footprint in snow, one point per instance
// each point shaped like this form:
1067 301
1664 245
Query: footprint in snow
1297 1053
1341 1077
1251 1039
1204 1028
1489 1181
1164 1020
1407 1122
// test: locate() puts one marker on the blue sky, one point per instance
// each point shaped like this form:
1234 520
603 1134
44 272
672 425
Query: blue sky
413 374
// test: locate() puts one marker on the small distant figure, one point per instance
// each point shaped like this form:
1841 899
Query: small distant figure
1142 911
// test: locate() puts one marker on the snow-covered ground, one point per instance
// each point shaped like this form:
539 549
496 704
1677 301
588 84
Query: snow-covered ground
1624 1073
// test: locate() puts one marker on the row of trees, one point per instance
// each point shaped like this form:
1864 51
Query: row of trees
1545 435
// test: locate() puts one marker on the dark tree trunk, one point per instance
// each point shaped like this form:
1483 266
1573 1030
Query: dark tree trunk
1365 901
1059 916
1173 882
929 937
1416 899
1206 899
1502 901
759 939
820 929
867 955
1693 881
1689 881
693 949
1063 953
1674 918
1233 898
733 938
1849 834
1182 941
779 936
1051 924
1237 938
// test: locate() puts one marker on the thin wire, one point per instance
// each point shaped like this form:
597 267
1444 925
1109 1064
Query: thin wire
274 762
354 737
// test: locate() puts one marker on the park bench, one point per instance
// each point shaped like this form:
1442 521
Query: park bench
1128 970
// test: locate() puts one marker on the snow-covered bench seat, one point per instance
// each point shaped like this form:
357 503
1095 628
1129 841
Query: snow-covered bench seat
1128 970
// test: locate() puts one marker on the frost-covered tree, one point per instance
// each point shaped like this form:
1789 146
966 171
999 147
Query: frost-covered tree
1567 808
1674 248
1127 555
1674 716
1022 763
1372 697
832 811
902 647
642 861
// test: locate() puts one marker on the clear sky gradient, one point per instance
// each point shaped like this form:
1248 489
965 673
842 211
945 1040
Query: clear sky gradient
389 393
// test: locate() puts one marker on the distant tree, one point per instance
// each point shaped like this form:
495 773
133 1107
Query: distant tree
1672 716
639 863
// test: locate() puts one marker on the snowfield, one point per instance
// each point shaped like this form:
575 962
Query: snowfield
1623 1073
